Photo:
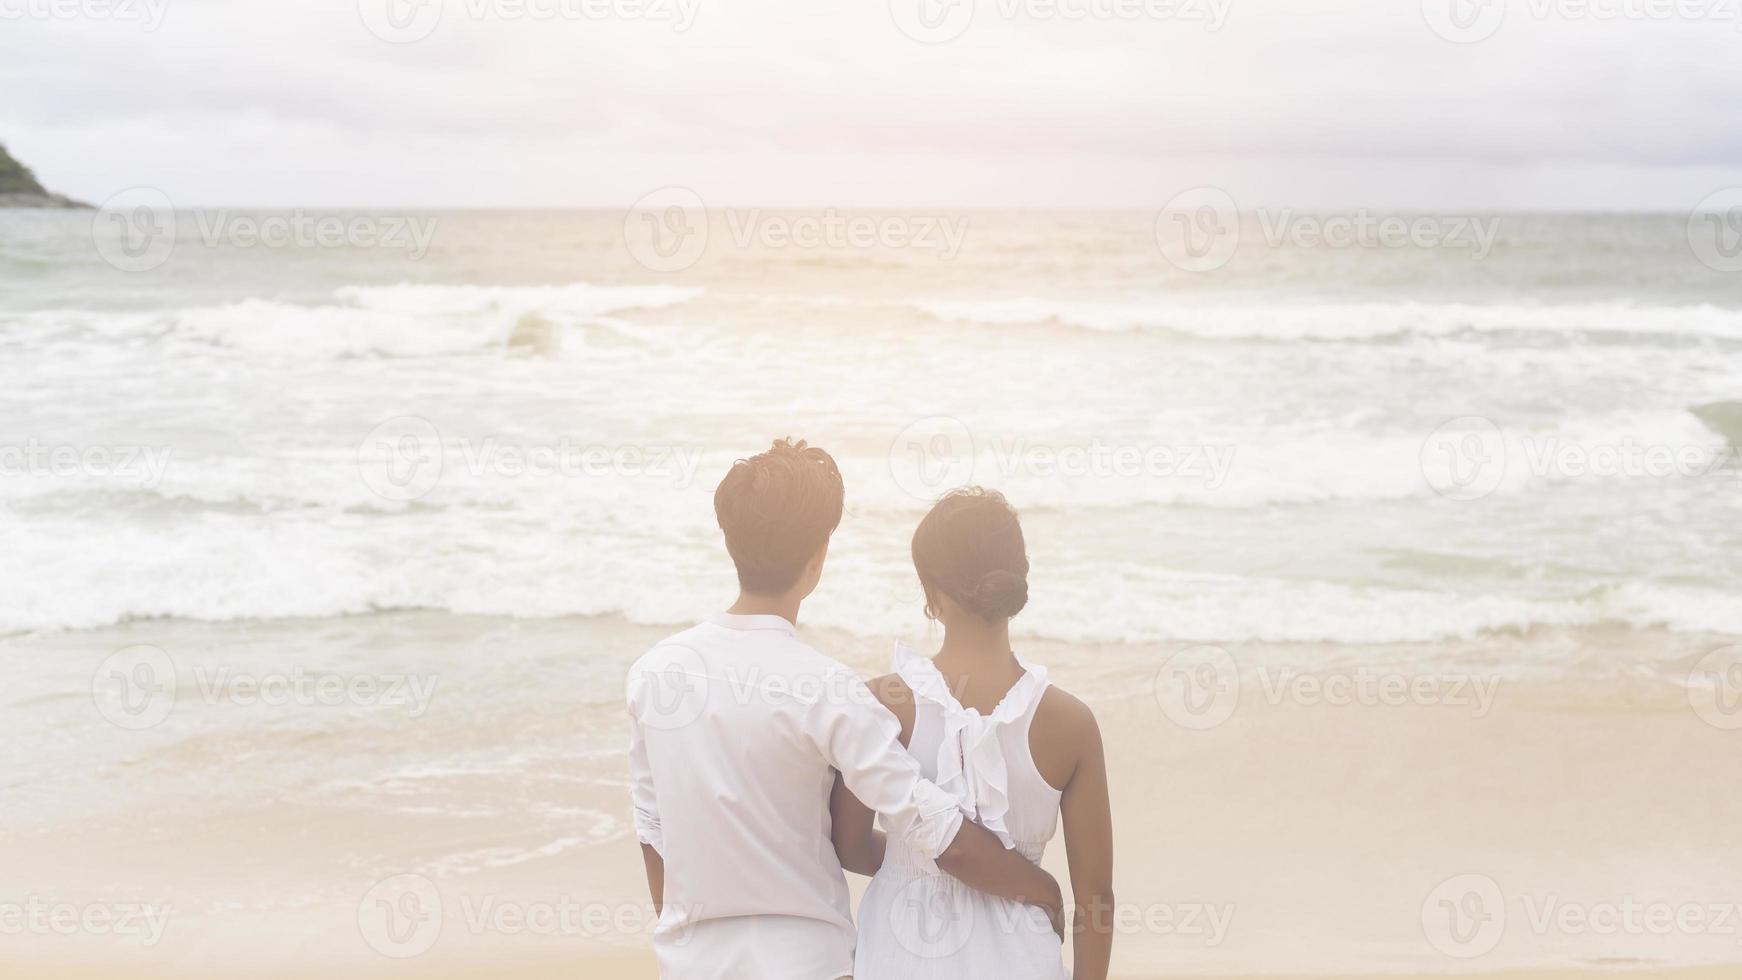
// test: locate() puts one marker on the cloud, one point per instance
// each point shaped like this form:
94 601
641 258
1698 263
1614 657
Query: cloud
565 102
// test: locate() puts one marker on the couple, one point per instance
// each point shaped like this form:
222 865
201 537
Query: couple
759 768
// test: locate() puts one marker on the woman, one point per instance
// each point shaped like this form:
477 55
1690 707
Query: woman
1014 750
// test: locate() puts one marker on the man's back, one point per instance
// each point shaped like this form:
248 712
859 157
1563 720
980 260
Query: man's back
737 726
724 710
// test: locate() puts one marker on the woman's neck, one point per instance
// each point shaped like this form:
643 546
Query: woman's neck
977 663
976 643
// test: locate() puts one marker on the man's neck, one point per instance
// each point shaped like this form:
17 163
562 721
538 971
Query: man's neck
784 606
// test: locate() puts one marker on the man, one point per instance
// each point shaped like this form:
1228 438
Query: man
737 728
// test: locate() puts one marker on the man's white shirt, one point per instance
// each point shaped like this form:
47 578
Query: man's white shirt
736 728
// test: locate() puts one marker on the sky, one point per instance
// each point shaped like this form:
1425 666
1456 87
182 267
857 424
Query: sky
1425 104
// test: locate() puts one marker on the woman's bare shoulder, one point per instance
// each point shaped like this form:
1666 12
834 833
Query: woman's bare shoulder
1063 735
1064 714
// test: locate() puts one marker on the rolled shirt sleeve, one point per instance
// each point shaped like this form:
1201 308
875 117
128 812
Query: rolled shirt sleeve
862 739
641 789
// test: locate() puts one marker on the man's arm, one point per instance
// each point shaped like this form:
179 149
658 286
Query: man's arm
645 800
981 861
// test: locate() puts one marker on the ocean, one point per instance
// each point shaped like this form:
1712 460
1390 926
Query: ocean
507 414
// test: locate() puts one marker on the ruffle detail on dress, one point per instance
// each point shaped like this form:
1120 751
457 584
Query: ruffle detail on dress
971 765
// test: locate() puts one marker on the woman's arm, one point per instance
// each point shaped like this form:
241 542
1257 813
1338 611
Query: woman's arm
1088 817
858 843
655 866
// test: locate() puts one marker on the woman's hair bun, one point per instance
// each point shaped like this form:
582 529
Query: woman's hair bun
1001 594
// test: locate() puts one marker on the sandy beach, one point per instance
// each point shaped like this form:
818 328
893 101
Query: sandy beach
1308 829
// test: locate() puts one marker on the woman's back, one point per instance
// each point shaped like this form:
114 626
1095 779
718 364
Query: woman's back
917 923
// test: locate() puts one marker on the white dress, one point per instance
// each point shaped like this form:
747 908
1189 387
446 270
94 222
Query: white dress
916 923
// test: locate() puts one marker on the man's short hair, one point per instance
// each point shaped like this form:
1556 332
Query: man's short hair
778 509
